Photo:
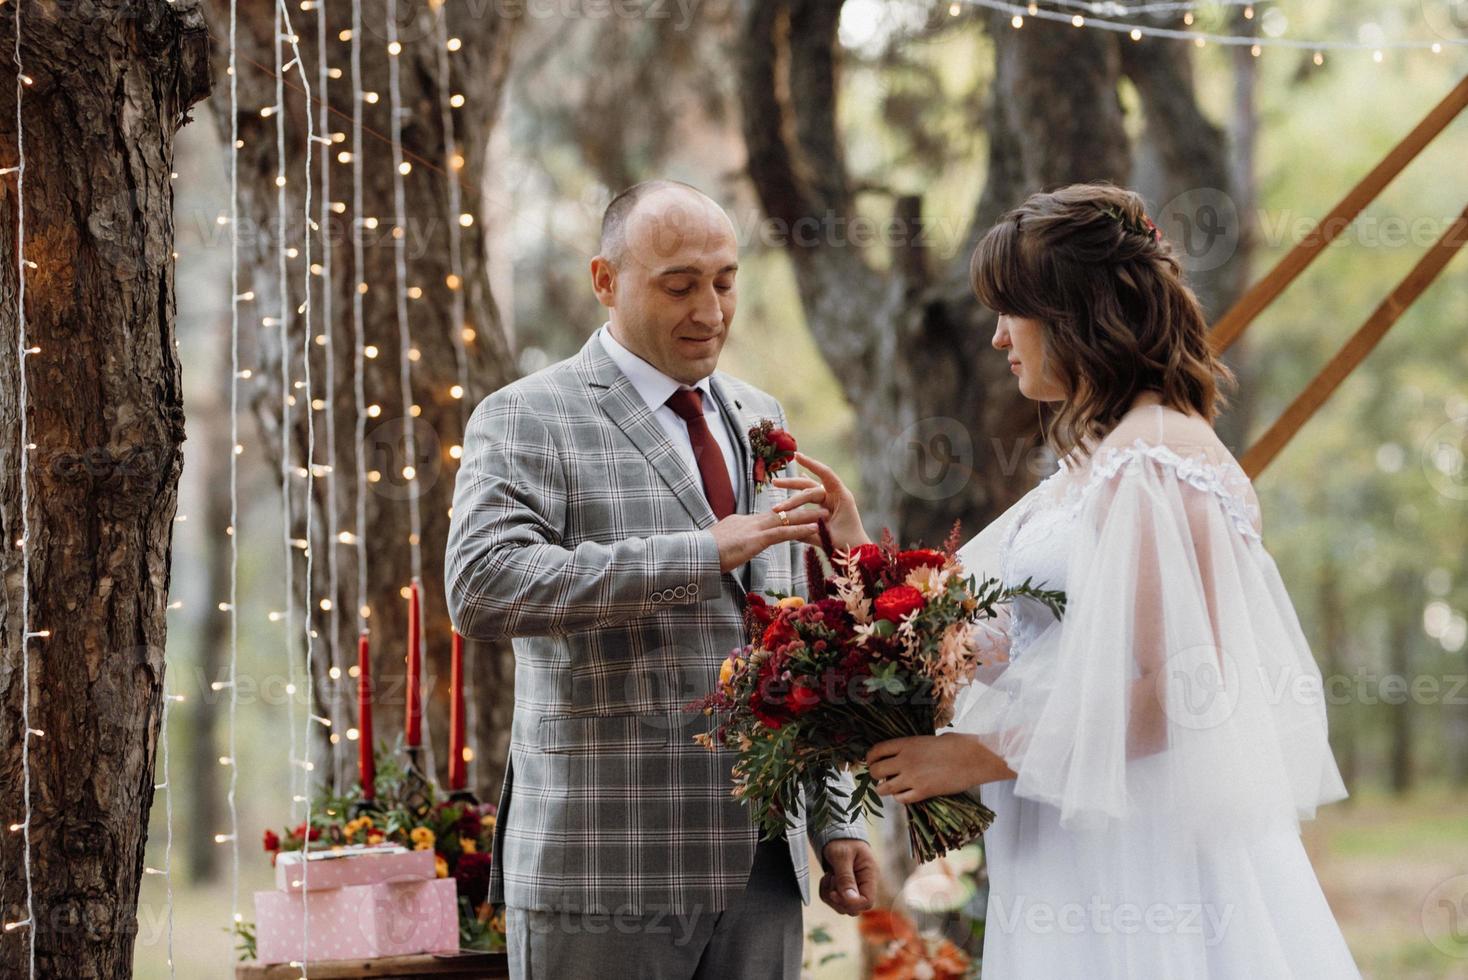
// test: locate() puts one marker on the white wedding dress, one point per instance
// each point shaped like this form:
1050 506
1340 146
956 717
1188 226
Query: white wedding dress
1168 733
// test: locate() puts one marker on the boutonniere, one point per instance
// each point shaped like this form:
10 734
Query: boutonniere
774 449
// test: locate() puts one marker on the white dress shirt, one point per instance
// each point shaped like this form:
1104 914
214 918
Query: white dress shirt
656 388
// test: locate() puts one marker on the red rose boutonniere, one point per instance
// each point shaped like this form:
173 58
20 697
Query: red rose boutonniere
774 448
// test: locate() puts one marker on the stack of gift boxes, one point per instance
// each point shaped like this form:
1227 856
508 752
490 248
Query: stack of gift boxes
357 902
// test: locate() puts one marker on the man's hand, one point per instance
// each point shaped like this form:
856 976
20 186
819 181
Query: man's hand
742 536
851 884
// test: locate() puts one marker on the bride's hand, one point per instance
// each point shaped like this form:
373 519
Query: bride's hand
914 769
845 520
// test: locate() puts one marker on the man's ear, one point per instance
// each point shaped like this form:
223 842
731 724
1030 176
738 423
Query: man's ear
604 281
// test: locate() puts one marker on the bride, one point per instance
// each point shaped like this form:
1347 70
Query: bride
1150 754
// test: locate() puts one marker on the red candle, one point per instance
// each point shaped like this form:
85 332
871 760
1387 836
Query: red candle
415 670
457 765
366 765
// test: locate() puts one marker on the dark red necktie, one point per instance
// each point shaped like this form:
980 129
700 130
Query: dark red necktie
688 403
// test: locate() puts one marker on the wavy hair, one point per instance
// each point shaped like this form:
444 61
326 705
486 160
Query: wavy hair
1117 318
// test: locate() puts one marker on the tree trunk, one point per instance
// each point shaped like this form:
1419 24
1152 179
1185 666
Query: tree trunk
111 85
1333 638
437 319
942 432
1202 198
1403 636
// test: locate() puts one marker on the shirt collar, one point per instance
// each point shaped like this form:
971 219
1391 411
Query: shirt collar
653 385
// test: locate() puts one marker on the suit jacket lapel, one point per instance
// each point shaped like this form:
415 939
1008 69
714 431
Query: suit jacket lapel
754 575
624 406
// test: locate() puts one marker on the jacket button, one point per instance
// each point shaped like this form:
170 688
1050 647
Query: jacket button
681 592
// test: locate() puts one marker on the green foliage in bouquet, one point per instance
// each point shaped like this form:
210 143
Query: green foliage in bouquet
878 652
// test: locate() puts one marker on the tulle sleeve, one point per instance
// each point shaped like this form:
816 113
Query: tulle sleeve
980 558
1179 681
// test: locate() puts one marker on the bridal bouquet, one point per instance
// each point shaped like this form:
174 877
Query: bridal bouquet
879 652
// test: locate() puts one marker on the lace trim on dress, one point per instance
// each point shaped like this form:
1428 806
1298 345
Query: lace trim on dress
1227 483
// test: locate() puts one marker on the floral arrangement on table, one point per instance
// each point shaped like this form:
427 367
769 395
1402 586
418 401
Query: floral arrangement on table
903 953
879 652
459 831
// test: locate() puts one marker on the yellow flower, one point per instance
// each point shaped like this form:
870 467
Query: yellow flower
440 866
726 673
423 845
487 821
421 835
374 837
467 845
791 602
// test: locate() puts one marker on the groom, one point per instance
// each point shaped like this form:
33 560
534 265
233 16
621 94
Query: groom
605 517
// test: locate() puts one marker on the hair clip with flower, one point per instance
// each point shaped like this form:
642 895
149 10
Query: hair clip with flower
1146 227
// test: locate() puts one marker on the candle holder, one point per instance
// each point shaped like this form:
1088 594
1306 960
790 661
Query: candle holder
464 796
367 808
417 796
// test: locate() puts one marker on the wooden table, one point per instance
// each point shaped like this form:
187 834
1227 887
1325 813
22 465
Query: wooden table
487 965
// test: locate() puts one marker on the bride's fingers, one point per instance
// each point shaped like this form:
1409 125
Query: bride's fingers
826 474
883 769
882 750
814 495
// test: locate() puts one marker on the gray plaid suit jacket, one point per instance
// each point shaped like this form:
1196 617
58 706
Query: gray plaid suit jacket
579 532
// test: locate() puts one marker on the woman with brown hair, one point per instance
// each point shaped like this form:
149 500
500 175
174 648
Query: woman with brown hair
1148 755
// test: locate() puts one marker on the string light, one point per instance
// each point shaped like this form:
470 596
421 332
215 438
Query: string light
282 325
236 297
334 647
167 871
448 101
23 350
309 498
405 339
1199 38
358 334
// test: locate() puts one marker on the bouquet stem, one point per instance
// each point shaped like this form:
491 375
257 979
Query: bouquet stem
945 823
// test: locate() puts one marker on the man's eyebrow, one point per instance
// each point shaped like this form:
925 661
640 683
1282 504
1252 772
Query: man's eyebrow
689 270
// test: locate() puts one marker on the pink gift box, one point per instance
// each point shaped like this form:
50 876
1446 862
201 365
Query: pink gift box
351 866
358 921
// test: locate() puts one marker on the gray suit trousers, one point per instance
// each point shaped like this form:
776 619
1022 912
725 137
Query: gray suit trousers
758 937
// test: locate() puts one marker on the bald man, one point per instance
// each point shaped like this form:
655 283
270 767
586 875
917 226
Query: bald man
605 518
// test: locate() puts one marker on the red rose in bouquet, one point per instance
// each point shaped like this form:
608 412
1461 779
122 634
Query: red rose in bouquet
898 602
879 653
773 447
